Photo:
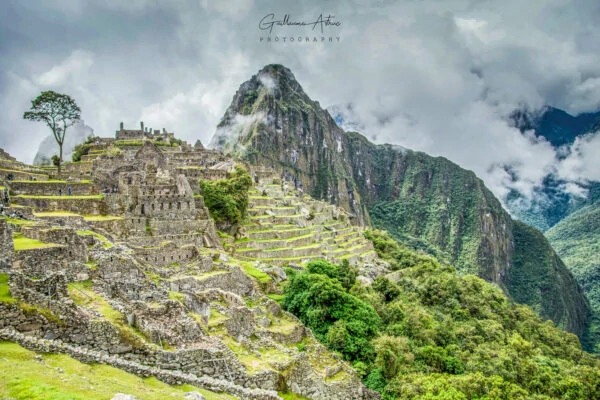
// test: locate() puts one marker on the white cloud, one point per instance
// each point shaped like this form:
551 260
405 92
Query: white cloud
73 67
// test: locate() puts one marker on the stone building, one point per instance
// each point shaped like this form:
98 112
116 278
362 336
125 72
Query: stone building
142 133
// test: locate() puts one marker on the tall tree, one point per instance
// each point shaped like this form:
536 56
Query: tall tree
58 111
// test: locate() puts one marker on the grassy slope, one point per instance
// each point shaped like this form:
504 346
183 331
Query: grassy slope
24 377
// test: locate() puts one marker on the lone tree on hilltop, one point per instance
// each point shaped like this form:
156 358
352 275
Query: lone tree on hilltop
58 111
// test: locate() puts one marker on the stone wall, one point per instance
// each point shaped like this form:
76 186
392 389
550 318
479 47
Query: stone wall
234 281
6 246
51 188
77 168
167 254
20 175
168 376
92 205
76 248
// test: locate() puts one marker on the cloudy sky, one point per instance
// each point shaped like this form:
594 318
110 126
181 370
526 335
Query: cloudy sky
437 76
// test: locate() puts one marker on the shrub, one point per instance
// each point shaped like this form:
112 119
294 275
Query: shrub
227 199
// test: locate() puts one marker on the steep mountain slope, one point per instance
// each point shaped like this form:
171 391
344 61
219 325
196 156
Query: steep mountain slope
428 202
577 240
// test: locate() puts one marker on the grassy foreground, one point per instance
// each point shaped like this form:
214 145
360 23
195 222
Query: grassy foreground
24 377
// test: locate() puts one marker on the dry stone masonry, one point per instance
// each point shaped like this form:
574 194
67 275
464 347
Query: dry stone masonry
117 260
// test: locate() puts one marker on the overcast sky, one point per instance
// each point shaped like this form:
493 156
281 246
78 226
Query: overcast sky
436 76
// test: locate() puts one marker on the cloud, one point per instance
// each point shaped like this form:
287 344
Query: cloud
73 67
439 77
582 163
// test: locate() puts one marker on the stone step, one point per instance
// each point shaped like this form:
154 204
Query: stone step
288 219
287 232
341 252
278 211
286 252
266 244
281 261
20 175
351 243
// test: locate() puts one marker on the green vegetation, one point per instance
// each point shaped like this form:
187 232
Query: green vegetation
177 296
60 377
25 243
256 273
17 221
539 278
426 332
318 297
102 217
227 199
138 142
82 149
577 241
5 296
42 214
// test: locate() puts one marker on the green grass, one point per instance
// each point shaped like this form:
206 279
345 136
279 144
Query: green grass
5 296
23 377
291 396
20 222
102 217
105 243
25 243
65 197
256 273
277 297
177 296
56 214
128 142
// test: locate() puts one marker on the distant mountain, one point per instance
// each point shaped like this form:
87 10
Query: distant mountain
426 202
76 134
556 125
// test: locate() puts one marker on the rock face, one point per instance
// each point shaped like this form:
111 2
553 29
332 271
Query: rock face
428 202
76 134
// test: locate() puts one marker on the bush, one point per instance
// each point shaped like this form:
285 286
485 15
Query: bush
227 199
82 149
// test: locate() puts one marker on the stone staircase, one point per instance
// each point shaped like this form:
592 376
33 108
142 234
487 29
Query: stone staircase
285 226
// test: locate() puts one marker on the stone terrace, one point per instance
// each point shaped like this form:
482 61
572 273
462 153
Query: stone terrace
285 226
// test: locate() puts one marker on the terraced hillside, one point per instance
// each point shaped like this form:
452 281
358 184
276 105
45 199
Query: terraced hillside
118 261
286 226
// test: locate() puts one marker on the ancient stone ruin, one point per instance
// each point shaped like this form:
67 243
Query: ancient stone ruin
116 260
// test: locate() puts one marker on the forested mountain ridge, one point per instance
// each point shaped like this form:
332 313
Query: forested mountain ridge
427 202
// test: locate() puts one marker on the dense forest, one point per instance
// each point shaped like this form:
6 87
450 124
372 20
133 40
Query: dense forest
423 331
